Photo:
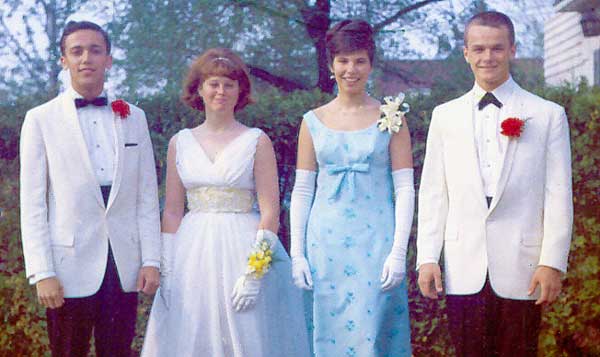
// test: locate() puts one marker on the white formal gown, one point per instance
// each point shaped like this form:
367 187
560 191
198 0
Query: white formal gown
211 248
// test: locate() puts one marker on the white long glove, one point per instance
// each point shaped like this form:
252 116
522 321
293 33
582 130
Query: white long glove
394 267
302 197
245 293
246 288
166 266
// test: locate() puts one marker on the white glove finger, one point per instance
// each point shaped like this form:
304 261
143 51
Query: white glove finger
239 306
303 282
394 282
245 304
387 284
235 301
308 278
400 275
236 295
385 274
242 303
299 283
296 272
251 303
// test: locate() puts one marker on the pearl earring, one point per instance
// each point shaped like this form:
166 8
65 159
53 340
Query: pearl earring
332 76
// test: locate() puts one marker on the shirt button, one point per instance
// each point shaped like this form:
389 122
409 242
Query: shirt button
94 122
98 146
101 169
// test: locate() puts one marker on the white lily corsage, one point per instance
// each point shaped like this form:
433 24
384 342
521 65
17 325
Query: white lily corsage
392 113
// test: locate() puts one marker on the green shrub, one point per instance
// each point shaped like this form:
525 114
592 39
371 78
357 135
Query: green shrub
571 327
24 326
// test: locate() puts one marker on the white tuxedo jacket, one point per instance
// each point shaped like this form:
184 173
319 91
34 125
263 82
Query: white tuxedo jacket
529 221
65 225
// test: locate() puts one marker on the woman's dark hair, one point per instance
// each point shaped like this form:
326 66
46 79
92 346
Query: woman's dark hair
73 26
349 36
216 62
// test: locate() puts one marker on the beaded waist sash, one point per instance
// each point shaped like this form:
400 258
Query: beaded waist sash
220 199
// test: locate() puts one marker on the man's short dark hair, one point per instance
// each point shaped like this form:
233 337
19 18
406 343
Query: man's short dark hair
491 19
73 26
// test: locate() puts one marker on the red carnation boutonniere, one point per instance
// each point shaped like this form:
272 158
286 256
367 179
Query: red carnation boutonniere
512 127
121 108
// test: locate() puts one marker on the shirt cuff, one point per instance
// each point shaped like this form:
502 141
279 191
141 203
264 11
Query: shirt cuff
41 276
151 263
426 261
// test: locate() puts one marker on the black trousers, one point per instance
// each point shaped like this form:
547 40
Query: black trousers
485 324
110 314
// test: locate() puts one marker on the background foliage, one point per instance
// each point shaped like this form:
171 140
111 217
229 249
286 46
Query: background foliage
569 328
282 41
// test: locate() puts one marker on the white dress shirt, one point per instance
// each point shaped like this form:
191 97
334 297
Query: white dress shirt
486 122
98 129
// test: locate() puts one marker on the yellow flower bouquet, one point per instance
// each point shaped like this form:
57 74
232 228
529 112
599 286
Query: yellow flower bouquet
261 257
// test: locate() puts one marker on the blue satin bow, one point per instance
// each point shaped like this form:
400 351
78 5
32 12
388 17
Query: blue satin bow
345 171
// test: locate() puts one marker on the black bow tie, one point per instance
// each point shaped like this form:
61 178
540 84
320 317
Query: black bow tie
98 101
489 98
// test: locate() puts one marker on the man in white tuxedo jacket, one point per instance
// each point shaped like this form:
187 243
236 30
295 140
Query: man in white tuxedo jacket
89 205
495 195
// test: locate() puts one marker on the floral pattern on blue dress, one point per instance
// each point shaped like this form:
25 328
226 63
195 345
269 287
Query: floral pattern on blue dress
349 235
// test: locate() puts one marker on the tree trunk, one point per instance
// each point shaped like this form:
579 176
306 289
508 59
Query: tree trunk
317 19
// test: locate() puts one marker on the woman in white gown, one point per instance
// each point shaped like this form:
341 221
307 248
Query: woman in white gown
208 304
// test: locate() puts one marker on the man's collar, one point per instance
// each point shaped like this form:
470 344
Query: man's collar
73 94
502 92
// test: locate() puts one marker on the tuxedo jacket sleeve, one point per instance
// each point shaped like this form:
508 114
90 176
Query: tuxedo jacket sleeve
558 201
34 198
433 197
147 202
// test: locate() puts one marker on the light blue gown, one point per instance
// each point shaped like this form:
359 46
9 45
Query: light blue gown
349 235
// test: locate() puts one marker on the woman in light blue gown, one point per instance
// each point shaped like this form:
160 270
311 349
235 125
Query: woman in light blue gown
349 234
